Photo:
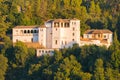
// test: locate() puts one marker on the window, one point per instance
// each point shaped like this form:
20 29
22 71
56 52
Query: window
61 24
73 29
56 24
31 31
56 29
98 35
56 42
39 51
72 39
28 31
104 36
35 31
66 24
25 31
73 34
65 42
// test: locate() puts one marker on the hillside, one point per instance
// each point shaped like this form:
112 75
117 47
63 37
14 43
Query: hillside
77 63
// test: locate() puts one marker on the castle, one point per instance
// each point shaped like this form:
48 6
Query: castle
59 34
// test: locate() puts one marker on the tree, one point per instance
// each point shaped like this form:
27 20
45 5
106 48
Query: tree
76 3
68 69
3 26
115 52
3 66
99 70
109 74
21 54
118 28
57 56
94 11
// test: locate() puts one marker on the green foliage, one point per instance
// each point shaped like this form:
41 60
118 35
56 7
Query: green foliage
99 70
69 68
3 66
89 54
76 63
21 54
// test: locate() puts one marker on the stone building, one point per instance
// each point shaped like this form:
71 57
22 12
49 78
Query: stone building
54 34
59 34
98 37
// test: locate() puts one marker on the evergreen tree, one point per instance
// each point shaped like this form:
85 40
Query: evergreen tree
99 70
3 66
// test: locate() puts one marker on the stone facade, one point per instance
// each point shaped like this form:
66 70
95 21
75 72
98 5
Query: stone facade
98 37
54 34
59 34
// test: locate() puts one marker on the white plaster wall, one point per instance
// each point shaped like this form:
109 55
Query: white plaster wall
49 37
87 36
25 38
41 52
55 37
65 37
111 38
96 42
28 37
76 24
66 34
42 36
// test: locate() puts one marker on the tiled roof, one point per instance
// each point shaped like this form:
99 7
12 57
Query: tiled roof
26 26
42 26
97 31
62 20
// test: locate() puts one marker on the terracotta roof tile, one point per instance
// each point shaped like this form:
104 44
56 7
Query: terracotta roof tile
62 20
26 26
97 31
42 26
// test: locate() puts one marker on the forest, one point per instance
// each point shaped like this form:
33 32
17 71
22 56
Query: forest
91 62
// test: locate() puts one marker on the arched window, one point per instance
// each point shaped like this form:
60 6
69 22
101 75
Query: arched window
35 31
28 31
25 31
31 31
